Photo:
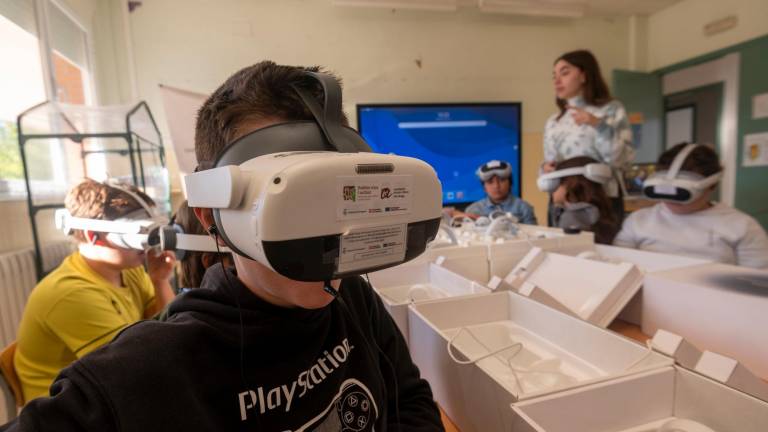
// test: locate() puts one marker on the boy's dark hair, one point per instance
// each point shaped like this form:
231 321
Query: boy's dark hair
91 199
595 89
581 189
264 90
194 263
702 160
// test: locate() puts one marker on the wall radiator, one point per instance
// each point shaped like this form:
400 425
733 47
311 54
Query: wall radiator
17 278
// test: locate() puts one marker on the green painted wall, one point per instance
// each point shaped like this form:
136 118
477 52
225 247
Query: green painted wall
751 182
640 92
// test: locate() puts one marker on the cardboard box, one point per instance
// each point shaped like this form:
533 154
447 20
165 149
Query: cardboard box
503 257
595 291
717 307
648 262
477 396
712 365
643 403
400 286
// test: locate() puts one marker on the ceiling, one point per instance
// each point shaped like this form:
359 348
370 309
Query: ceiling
549 8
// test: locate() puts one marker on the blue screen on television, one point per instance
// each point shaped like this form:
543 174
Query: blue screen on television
454 138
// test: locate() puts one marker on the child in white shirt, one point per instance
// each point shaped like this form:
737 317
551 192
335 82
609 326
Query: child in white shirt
699 228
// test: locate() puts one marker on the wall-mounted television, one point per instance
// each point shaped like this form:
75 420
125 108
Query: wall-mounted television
455 138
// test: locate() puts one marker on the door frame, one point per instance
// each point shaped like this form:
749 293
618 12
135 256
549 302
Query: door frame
724 70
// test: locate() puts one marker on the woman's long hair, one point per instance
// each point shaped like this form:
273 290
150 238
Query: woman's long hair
595 90
581 189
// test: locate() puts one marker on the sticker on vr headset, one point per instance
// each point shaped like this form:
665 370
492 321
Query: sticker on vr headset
373 196
372 247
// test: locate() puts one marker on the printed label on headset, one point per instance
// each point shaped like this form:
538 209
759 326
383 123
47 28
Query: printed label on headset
372 196
370 247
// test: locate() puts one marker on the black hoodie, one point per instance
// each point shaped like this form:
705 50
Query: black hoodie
281 370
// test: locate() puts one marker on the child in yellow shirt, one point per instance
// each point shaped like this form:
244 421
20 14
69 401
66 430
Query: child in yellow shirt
96 291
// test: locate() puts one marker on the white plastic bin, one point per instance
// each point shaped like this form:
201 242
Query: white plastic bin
477 396
643 403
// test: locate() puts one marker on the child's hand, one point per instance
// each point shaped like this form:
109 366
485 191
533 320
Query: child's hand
160 264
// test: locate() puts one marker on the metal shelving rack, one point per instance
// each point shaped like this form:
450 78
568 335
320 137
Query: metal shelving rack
132 124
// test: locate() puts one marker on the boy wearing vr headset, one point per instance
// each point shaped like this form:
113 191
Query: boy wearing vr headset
496 177
687 221
96 291
253 349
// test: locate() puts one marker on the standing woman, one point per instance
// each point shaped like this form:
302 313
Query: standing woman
590 122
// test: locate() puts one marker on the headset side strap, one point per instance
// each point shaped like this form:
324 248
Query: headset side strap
679 160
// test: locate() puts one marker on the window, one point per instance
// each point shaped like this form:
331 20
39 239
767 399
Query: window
28 63
69 57
22 84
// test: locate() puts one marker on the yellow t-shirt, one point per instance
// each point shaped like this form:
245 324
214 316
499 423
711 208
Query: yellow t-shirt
70 313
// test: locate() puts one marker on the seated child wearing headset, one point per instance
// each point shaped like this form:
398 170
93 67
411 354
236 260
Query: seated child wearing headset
496 177
687 221
253 349
579 198
96 292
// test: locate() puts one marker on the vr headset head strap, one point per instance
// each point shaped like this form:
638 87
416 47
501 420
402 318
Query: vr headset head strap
132 194
589 171
679 160
565 172
328 117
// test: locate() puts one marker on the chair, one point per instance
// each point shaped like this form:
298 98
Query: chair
10 387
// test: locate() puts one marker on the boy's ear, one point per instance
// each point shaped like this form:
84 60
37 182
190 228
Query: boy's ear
204 216
208 259
91 237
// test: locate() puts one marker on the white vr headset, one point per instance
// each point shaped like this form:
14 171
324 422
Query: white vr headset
492 168
131 232
596 172
308 199
143 229
678 186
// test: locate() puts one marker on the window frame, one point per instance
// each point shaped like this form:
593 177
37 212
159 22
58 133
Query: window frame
10 191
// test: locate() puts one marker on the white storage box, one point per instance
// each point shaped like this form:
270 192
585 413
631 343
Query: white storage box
643 403
709 364
564 352
503 257
450 252
414 282
595 291
717 307
648 262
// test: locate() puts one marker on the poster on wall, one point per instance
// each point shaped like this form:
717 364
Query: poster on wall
755 150
181 113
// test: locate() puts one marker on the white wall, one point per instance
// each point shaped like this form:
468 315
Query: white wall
676 34
464 56
104 21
